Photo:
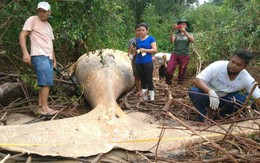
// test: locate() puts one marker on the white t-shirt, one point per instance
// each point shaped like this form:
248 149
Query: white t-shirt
41 36
159 57
216 77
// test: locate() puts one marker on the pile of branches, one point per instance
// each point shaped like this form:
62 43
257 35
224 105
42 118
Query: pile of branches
173 109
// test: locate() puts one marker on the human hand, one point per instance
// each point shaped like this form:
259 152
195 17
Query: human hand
27 59
54 63
174 26
132 47
131 57
182 29
164 56
141 50
177 26
214 100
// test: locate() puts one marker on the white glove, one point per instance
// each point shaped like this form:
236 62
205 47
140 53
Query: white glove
131 57
213 98
138 51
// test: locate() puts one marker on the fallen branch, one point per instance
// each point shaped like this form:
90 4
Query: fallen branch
6 157
98 158
205 138
199 58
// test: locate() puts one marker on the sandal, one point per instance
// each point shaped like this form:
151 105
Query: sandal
51 113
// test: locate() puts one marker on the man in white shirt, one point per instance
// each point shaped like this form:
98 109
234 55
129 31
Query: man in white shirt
161 61
219 85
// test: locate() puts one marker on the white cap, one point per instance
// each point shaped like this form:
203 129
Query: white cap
44 5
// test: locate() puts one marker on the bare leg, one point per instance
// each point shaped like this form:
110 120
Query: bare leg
40 97
43 100
138 86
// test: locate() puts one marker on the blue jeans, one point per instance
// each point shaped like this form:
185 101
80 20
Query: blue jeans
227 104
44 70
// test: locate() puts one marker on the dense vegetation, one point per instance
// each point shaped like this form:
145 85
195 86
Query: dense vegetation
219 26
80 26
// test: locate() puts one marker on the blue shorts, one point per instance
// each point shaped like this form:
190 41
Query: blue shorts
43 67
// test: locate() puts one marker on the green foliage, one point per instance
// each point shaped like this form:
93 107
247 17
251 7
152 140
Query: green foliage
82 26
30 81
219 30
96 24
157 28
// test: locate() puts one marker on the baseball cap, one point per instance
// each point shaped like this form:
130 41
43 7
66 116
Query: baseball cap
44 5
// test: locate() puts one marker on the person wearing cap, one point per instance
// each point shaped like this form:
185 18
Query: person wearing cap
41 55
180 55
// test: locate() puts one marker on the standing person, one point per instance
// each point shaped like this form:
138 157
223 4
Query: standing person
132 55
180 56
146 46
224 79
42 55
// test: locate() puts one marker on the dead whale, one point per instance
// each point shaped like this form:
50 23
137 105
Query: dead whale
103 75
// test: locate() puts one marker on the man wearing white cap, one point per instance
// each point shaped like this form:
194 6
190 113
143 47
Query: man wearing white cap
41 54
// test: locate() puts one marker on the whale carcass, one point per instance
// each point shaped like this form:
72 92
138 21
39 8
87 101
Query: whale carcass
104 75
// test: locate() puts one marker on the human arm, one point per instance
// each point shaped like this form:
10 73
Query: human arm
151 51
183 30
22 40
54 59
201 85
258 102
164 57
129 51
213 97
131 48
205 79
256 92
172 37
189 36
